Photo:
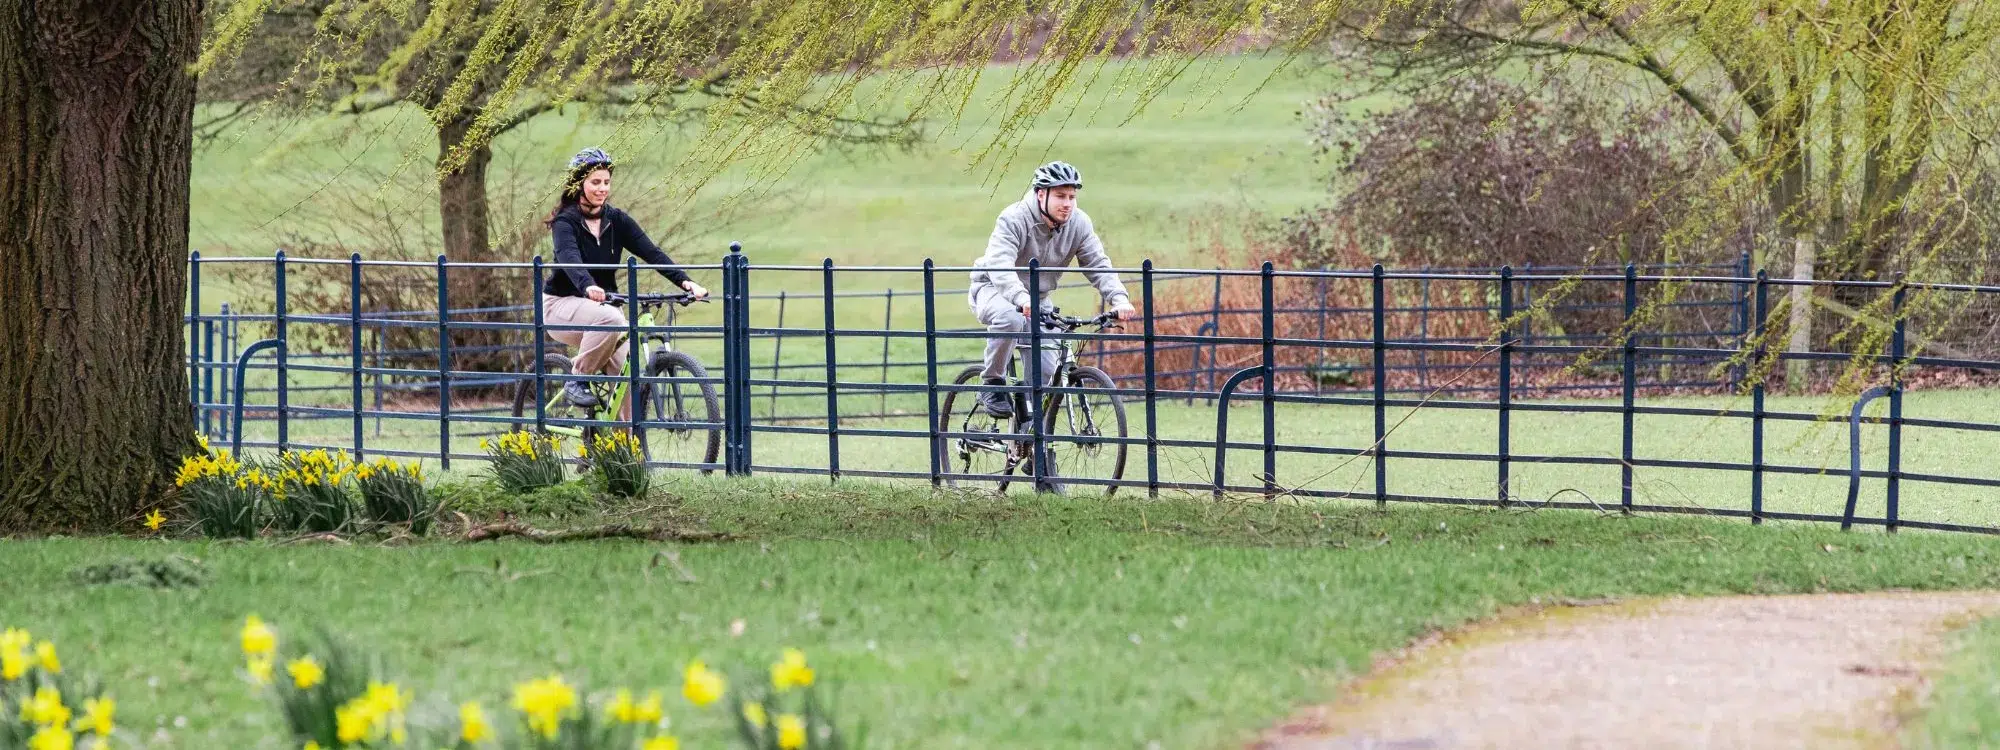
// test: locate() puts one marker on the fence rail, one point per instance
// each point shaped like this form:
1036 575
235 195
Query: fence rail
1443 340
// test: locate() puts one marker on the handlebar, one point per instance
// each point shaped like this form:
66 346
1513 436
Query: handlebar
1055 319
652 300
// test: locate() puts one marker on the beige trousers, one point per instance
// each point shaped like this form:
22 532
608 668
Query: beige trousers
592 352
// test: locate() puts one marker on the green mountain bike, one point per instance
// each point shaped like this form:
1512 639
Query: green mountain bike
696 438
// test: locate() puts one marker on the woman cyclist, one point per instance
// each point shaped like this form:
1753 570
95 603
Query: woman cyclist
588 229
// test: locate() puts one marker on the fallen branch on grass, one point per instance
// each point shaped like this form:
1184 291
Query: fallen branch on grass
323 537
493 531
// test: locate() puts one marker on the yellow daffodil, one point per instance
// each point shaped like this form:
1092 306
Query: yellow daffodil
628 711
790 671
260 668
258 638
472 724
544 702
154 520
45 708
753 712
351 722
377 712
15 639
52 738
97 714
387 698
306 672
649 710
623 708
662 742
13 664
701 685
45 655
791 732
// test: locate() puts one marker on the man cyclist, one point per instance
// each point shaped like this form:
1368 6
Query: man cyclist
1044 225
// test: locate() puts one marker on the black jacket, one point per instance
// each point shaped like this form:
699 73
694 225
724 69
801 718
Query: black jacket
575 244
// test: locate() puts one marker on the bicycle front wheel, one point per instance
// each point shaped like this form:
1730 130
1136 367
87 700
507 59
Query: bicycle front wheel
697 439
1076 425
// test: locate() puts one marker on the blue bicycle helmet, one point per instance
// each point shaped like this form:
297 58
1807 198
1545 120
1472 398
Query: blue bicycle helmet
589 158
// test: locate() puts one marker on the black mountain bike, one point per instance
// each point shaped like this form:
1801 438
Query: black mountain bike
1071 422
659 402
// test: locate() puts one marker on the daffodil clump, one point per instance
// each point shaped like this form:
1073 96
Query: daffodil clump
41 707
523 461
223 497
619 461
330 698
787 712
317 496
393 493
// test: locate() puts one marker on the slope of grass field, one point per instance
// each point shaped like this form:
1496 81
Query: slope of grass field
948 620
1226 139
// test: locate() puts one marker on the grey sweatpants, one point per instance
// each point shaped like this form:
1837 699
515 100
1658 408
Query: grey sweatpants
999 316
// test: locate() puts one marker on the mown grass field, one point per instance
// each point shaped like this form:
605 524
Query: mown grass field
1222 145
947 620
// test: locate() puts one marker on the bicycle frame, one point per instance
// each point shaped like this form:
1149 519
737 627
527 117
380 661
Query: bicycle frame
622 391
1064 365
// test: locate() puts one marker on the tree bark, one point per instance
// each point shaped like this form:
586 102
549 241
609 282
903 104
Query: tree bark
1804 260
462 205
96 109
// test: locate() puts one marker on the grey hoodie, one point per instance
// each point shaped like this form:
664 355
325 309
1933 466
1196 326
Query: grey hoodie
1020 235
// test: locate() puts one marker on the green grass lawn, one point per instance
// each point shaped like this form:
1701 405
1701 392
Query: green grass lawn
1817 445
1962 711
947 620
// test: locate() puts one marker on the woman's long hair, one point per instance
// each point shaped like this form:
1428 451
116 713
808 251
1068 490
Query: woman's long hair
573 190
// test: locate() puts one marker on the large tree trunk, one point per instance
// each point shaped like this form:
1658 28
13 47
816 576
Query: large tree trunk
466 215
98 121
462 202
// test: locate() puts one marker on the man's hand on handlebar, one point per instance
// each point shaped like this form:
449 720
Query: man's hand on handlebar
700 292
595 293
1121 312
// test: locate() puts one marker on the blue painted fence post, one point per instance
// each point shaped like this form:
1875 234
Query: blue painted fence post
284 373
1896 353
1630 375
354 351
1381 446
1763 301
444 363
1506 380
832 371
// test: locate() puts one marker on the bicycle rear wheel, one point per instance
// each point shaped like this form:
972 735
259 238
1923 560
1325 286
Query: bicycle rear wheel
992 458
557 368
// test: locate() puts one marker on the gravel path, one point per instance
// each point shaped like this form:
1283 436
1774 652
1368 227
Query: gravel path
1820 671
